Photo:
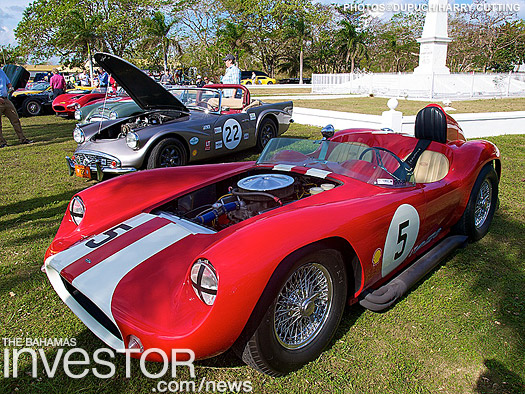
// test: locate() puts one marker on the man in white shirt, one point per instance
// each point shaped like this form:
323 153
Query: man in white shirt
231 76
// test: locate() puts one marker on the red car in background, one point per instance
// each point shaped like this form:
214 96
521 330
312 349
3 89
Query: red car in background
66 104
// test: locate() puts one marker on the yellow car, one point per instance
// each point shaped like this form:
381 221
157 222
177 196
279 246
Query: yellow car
259 80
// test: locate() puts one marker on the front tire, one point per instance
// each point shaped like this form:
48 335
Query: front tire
267 131
476 219
303 317
169 152
32 107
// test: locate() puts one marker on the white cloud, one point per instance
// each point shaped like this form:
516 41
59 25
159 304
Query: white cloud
7 36
11 12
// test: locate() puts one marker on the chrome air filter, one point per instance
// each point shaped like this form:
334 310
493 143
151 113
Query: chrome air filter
278 185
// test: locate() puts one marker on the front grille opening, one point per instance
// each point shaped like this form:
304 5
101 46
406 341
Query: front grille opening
92 309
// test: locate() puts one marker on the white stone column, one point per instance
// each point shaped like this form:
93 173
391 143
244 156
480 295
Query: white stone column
434 40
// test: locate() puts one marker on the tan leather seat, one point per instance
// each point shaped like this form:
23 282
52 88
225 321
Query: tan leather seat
349 151
230 102
431 167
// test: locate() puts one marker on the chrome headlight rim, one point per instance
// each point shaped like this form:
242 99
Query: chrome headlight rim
78 135
204 281
77 210
133 140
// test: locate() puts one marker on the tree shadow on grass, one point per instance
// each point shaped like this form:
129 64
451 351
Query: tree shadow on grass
25 206
497 379
46 128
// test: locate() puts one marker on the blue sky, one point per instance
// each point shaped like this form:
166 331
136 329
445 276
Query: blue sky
11 12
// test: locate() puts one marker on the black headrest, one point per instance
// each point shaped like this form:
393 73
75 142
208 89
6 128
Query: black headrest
431 124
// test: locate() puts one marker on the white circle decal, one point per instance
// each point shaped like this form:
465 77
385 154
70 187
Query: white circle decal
401 237
231 133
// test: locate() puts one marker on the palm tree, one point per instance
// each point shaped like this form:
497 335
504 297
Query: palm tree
233 37
297 30
157 32
351 43
81 31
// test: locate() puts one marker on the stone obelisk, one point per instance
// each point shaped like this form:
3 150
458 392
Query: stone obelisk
434 40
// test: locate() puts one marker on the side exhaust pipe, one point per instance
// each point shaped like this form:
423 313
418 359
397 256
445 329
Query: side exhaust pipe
382 298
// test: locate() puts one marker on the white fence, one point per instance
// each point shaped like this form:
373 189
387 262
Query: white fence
452 86
474 125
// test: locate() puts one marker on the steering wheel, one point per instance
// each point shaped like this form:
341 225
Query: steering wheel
401 172
207 105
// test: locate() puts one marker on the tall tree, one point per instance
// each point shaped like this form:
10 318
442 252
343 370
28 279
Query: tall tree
158 33
298 30
60 27
351 43
234 37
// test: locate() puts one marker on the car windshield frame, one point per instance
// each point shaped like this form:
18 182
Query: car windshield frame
373 165
40 86
200 92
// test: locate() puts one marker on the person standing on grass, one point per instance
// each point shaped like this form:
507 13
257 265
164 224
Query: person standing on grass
231 76
58 84
102 78
8 109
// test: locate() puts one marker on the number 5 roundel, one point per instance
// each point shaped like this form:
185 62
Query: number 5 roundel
401 237
231 133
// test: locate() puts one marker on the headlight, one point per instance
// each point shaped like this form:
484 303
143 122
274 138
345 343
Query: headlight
204 281
78 115
78 135
132 140
77 210
113 115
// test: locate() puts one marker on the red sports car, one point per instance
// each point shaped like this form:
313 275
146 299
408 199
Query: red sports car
66 104
263 256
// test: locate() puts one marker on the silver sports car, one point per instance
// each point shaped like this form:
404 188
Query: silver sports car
177 127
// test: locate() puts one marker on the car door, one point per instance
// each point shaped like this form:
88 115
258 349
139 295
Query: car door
233 132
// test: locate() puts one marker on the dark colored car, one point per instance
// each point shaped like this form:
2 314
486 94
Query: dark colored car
36 101
294 80
178 127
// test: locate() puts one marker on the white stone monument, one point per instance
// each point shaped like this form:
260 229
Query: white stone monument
434 40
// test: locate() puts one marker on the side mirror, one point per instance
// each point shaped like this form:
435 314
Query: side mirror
328 131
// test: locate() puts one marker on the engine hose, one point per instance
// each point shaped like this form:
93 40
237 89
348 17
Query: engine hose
216 212
235 192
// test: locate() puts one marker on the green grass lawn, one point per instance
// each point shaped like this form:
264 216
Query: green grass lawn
461 330
376 105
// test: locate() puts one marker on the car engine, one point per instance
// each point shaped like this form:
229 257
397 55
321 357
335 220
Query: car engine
234 200
143 121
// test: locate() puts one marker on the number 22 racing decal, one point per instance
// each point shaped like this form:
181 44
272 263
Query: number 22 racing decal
401 237
231 133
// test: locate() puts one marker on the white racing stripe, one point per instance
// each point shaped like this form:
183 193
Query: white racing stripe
63 259
99 283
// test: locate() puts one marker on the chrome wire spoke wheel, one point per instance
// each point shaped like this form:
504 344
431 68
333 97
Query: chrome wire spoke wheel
483 204
303 306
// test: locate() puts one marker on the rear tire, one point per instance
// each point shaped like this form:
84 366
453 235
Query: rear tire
302 318
267 131
169 152
476 219
32 107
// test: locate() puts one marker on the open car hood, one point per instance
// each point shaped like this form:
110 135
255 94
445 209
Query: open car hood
147 93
